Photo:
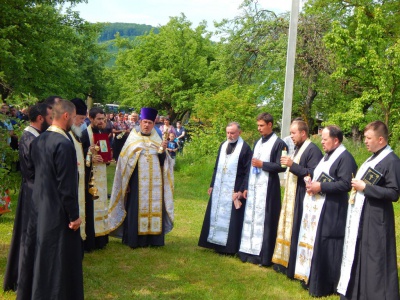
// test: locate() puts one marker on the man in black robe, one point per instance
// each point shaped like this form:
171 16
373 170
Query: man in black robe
332 179
54 267
371 271
263 196
302 163
222 230
76 135
96 238
141 204
40 117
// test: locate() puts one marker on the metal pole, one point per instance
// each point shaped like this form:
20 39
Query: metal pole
289 78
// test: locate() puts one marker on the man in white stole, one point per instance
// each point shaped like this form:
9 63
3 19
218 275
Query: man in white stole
263 196
142 195
223 220
324 213
96 209
369 265
300 164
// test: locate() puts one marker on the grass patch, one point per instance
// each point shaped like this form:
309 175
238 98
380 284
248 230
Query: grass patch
181 269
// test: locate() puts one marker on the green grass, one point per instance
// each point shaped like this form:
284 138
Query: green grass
180 269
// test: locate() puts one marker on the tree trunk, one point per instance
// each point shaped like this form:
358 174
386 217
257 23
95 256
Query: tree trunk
355 133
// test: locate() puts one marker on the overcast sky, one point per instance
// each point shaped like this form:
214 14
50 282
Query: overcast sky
157 12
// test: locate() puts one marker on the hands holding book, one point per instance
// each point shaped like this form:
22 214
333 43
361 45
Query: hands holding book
358 184
313 188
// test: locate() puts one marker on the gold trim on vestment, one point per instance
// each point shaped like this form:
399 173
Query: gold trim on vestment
100 205
81 187
57 129
284 235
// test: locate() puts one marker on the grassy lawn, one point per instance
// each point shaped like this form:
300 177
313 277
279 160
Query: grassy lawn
181 269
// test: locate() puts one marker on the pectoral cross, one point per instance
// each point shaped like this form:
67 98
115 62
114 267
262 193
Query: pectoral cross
147 155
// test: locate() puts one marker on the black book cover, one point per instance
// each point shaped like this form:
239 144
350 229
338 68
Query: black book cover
325 178
371 176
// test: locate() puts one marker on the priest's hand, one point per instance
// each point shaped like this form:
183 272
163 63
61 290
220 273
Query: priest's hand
358 185
209 191
286 160
97 158
313 188
74 225
164 144
245 194
256 163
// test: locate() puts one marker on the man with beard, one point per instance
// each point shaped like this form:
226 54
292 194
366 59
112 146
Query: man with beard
141 200
263 196
76 134
301 163
223 220
321 235
96 207
53 269
40 116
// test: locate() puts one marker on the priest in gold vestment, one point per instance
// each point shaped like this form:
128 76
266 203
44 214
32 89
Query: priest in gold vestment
141 207
300 164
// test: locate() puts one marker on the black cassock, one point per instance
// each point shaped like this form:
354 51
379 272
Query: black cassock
22 211
51 266
236 220
272 207
374 272
308 161
92 242
328 247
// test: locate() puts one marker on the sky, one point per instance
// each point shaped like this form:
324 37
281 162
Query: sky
157 12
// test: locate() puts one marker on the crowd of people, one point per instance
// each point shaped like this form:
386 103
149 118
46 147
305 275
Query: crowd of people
332 242
119 125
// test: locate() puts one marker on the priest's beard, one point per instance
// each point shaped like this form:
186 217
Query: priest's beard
44 126
77 130
232 141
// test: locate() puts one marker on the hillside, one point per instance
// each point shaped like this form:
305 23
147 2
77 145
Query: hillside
129 30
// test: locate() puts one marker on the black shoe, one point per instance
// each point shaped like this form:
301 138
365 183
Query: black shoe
304 285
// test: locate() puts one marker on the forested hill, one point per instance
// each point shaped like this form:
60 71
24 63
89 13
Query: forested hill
130 30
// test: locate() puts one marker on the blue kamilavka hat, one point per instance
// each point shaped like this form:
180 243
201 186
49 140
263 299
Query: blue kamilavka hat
148 113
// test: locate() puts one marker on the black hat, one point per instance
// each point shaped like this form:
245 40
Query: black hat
80 106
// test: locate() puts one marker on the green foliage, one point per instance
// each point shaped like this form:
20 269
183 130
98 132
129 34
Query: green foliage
44 52
367 53
234 104
10 177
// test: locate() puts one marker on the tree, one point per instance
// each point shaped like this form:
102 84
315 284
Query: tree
40 49
214 111
166 70
368 55
313 64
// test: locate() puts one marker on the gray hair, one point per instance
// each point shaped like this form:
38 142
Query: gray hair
233 124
